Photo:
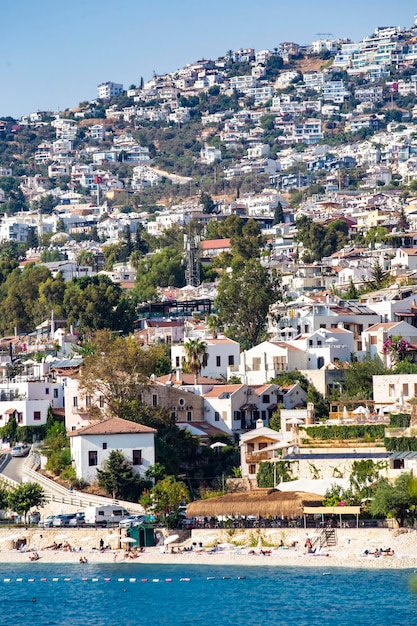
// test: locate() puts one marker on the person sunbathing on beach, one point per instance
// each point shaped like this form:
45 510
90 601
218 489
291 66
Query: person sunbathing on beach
34 556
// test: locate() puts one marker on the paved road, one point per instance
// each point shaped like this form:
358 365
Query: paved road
12 467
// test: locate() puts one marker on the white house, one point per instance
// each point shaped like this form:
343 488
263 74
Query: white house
91 446
221 352
405 259
394 389
373 338
29 401
325 345
257 446
266 360
233 408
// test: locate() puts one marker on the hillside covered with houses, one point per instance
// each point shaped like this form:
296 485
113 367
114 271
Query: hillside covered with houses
214 272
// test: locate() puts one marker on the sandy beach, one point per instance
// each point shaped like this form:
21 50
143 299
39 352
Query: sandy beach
236 550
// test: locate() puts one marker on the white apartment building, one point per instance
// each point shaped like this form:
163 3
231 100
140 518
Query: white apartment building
222 353
108 90
210 154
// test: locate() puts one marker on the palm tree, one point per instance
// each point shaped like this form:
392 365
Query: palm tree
196 356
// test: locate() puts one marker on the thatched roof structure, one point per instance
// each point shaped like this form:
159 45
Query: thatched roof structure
260 502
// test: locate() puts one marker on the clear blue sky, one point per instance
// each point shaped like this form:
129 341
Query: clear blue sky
53 54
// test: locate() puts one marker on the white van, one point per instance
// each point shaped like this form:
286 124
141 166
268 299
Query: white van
106 514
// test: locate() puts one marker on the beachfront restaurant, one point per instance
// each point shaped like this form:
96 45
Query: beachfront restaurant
264 505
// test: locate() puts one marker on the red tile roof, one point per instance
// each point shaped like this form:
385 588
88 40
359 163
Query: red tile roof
112 426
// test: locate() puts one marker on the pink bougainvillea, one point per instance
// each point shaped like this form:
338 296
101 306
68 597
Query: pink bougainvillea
396 348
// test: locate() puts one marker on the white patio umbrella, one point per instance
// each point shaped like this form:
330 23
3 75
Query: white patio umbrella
345 413
171 539
295 421
127 540
360 410
218 444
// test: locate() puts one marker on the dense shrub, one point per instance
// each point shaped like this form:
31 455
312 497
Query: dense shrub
356 431
402 420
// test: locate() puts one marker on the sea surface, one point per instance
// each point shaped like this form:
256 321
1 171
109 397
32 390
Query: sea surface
140 595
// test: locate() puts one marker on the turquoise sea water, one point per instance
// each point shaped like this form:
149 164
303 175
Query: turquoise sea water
142 595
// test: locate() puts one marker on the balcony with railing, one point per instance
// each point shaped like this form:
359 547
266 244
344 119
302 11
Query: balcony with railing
259 455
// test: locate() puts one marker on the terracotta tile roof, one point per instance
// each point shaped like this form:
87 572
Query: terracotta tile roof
186 379
112 426
220 340
214 244
219 390
261 388
386 325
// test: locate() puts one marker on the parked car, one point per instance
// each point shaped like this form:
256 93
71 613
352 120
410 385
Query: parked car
63 520
78 520
131 521
21 449
47 523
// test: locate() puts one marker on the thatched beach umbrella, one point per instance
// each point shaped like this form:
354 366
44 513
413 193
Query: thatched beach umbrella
260 502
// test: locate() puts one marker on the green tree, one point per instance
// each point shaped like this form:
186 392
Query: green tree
279 217
271 471
196 356
163 269
116 368
321 405
275 419
208 204
93 302
24 497
257 288
352 292
358 378
273 66
118 480
247 245
398 500
364 473
379 277
9 431
167 495
56 448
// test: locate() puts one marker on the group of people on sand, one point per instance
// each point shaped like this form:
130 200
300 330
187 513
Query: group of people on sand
261 552
66 547
134 553
379 552
83 560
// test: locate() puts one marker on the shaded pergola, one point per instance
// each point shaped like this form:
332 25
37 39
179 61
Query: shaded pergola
338 511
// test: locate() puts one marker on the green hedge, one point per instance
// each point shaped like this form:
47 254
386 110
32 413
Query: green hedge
401 444
402 420
356 431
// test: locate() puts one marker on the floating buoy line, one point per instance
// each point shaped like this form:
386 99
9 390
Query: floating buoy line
67 579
